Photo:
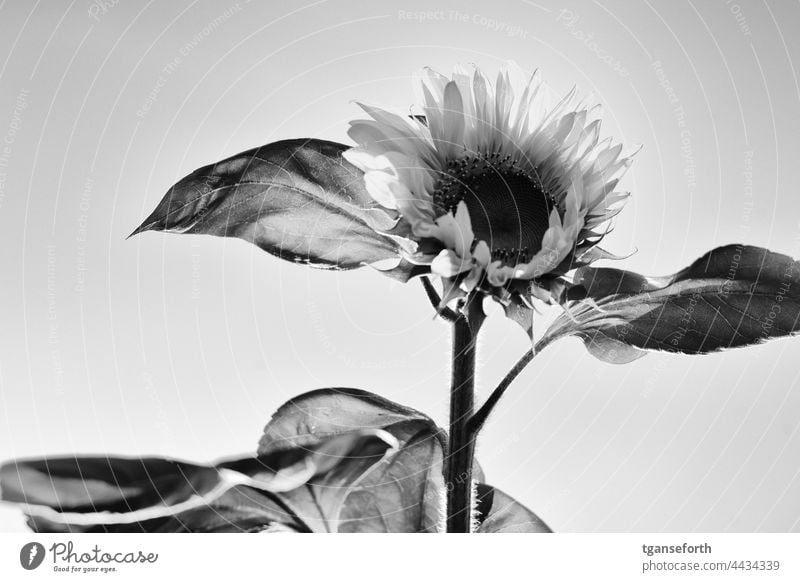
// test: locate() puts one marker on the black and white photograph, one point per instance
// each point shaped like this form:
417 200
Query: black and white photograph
519 267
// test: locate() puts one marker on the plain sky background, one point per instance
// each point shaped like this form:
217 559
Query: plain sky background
184 345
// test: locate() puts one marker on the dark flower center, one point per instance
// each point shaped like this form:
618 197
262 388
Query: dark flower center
508 206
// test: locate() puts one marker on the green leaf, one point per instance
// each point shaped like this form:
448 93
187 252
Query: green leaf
733 296
499 513
296 199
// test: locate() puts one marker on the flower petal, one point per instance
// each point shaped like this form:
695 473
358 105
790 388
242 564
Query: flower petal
379 185
556 245
482 254
433 82
453 119
456 231
449 264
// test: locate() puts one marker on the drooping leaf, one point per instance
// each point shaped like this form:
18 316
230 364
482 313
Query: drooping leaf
129 494
318 502
311 417
316 471
241 509
403 491
112 484
299 200
733 296
345 454
499 513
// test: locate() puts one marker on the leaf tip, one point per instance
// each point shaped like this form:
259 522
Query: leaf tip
138 230
148 224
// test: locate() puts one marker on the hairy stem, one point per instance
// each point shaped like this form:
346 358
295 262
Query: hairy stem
479 418
458 468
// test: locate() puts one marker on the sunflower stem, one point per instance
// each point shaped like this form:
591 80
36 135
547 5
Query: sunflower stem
478 419
461 445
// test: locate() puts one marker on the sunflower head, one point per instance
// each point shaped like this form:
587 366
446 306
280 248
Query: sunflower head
499 187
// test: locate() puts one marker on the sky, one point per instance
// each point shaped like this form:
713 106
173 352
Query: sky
183 346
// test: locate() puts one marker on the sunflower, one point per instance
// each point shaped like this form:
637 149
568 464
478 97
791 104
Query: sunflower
495 186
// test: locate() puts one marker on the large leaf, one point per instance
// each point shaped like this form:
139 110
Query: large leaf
296 199
130 494
402 493
113 484
317 415
499 513
733 296
318 501
241 509
316 470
